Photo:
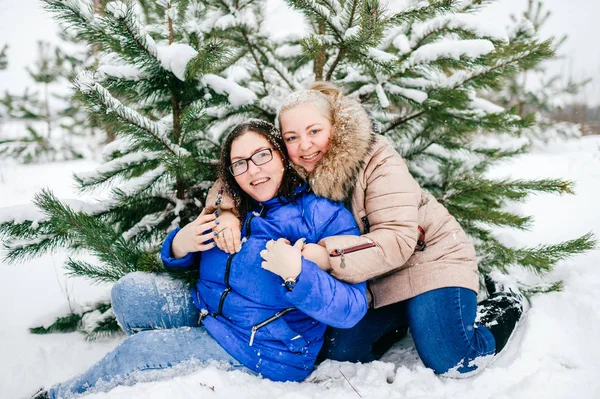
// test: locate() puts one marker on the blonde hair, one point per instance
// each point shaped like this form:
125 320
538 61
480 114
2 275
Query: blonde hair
323 95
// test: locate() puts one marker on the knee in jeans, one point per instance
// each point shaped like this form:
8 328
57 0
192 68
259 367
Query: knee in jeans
125 294
127 286
137 351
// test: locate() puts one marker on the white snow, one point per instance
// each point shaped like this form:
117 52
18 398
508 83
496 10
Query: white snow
450 49
175 57
468 22
238 96
383 100
554 354
117 8
486 106
381 56
351 32
117 164
402 43
129 72
413 94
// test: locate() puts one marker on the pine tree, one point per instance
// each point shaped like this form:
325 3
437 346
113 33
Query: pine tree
48 121
534 91
175 76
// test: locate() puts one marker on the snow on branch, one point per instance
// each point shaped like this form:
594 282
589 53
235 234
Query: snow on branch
21 213
138 184
175 57
466 22
412 94
81 8
381 56
86 83
121 163
120 144
237 95
485 106
322 12
126 15
29 212
454 49
245 17
148 223
383 100
461 77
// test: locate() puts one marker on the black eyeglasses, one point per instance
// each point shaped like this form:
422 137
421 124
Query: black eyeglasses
258 158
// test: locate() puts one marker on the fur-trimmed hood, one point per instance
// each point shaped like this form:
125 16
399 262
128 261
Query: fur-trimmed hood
352 138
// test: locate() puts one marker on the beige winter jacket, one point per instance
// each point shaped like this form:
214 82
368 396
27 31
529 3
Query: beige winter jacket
363 170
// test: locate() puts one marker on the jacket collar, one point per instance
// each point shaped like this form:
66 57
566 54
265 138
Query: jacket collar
277 202
351 140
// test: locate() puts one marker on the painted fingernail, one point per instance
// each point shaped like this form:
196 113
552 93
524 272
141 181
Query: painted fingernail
215 233
216 222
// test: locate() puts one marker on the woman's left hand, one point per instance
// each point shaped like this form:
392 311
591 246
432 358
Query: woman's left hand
283 259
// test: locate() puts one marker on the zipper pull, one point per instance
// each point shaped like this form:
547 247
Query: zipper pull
202 316
342 263
252 335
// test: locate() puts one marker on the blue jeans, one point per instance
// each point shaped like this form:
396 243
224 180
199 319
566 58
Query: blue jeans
160 311
442 325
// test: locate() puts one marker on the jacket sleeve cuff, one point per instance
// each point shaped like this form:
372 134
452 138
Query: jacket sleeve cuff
302 291
166 256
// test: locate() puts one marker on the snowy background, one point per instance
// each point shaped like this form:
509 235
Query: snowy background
555 353
23 22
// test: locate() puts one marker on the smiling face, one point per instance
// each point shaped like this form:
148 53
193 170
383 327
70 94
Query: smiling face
259 182
306 132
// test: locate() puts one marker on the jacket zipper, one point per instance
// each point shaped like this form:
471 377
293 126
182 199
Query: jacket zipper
267 321
228 269
341 252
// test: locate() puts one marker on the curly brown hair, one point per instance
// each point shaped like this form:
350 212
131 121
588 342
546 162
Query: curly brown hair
290 181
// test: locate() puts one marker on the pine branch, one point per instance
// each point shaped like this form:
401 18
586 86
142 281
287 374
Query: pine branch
475 188
540 259
122 167
95 273
313 10
64 324
79 17
210 59
421 12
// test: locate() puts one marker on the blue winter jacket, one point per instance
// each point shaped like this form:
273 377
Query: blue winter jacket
273 331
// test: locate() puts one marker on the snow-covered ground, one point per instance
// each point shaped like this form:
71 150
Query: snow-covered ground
555 353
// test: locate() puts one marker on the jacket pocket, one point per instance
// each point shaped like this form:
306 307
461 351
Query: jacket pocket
281 331
345 251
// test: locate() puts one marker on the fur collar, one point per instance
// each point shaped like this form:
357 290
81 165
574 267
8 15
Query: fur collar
352 138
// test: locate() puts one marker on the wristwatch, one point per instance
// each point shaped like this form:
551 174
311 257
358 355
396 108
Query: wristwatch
290 283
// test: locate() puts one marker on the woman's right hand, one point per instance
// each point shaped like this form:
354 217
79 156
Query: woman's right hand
195 236
228 233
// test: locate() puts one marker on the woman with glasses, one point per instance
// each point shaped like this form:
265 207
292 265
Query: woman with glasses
268 316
